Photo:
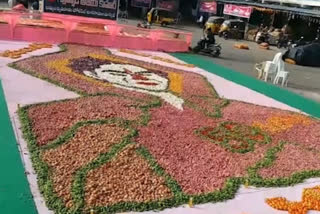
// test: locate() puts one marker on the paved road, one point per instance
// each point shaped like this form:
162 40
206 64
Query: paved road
302 80
3 5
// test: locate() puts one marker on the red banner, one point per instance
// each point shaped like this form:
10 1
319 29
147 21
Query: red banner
235 10
208 7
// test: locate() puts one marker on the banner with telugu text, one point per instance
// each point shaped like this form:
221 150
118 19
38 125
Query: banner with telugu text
236 10
106 9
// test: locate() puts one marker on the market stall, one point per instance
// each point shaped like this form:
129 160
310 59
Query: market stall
297 21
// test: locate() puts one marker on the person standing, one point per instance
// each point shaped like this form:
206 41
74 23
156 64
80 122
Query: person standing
35 5
178 18
200 21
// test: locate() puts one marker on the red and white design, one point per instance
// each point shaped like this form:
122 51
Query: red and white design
235 10
138 79
208 7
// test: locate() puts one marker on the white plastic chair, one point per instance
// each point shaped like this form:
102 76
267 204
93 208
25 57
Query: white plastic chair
281 74
259 68
277 58
270 68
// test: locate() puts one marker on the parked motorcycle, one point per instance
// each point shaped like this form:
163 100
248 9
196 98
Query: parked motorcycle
317 39
283 42
262 37
210 49
299 42
144 24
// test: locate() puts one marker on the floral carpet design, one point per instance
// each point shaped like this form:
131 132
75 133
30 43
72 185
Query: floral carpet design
143 136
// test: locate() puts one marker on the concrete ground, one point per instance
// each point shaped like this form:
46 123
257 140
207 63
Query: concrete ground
302 80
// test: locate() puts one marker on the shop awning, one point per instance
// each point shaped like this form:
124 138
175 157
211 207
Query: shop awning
293 10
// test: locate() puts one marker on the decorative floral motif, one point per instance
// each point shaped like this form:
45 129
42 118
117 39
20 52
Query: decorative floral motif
282 123
85 64
136 78
129 76
176 82
80 151
310 201
66 114
63 66
293 158
124 76
235 137
130 171
18 53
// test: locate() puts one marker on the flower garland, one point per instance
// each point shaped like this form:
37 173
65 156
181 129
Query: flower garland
16 54
310 201
276 124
